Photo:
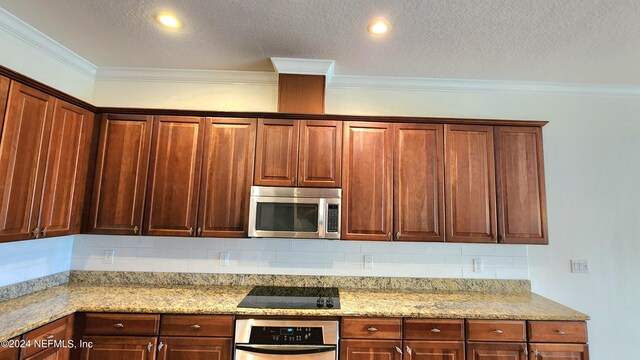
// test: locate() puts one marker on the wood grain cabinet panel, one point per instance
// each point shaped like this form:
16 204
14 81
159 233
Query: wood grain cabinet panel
522 208
197 325
418 182
4 96
121 324
371 328
367 204
320 162
434 329
470 184
119 348
194 348
44 337
120 179
52 353
557 331
277 152
23 145
496 330
174 176
227 177
496 351
10 353
558 352
67 162
434 350
370 350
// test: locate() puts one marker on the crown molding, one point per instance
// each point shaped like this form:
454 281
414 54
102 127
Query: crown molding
187 76
45 44
304 66
486 86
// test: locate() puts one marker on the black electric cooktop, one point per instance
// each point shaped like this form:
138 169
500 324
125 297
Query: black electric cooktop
277 297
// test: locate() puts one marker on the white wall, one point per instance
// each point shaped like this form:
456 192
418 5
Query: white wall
299 257
26 260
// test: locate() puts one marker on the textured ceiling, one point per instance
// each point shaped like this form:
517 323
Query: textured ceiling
586 41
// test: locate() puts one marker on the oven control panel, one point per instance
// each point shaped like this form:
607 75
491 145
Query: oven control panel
333 218
280 335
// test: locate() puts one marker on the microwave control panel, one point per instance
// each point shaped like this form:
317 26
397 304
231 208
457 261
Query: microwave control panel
333 218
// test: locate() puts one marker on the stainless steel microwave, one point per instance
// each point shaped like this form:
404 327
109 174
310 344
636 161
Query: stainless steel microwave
290 212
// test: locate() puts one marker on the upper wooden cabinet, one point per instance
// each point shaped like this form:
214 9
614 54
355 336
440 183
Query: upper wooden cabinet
367 181
522 209
470 184
229 149
120 179
4 95
23 150
305 153
65 173
174 176
277 152
418 182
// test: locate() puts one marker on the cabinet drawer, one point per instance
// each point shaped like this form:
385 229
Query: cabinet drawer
558 331
371 328
197 325
121 324
496 330
429 329
10 353
44 337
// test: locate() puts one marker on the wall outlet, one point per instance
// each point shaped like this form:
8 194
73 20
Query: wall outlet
477 265
109 255
368 262
224 258
579 266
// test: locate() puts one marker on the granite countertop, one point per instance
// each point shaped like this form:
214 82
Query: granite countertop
25 313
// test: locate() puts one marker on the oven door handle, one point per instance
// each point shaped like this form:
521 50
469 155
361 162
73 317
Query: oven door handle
286 349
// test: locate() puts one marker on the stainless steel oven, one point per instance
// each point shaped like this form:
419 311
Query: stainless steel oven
311 213
261 339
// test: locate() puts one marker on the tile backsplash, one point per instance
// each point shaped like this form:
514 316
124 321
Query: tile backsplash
299 257
27 260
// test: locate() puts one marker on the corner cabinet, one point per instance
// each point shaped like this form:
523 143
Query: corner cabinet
120 179
303 153
174 176
229 149
367 168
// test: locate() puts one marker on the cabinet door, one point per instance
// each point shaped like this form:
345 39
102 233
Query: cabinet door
54 353
23 145
227 177
496 351
119 348
10 353
434 350
174 176
366 181
67 161
320 154
559 351
194 348
4 95
522 206
418 182
277 152
470 184
120 180
370 350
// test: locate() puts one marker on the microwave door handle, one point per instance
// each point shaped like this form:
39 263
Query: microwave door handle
286 349
323 207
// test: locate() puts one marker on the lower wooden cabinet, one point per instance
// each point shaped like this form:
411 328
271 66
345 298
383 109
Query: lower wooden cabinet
434 350
194 348
50 354
370 350
558 352
496 351
10 353
120 348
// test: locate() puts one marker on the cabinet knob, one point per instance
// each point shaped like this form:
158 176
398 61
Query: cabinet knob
389 235
199 231
119 325
409 351
397 235
191 231
502 238
44 232
149 347
195 326
160 346
536 353
36 233
435 330
135 230
560 332
526 351
372 329
49 337
399 350
498 331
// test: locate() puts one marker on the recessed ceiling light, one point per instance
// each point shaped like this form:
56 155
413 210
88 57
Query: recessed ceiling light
379 27
168 20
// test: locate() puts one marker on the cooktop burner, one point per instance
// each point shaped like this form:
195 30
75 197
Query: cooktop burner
278 297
